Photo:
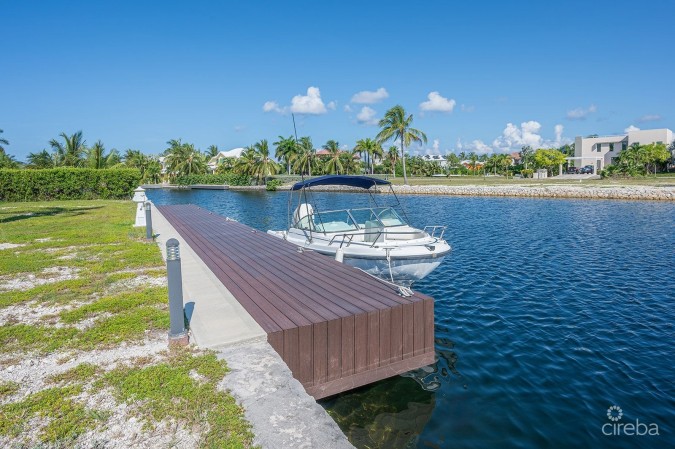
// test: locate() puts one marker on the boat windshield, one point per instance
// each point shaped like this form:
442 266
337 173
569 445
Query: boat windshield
350 220
333 221
377 216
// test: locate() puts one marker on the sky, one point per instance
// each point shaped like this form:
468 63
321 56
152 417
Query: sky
484 76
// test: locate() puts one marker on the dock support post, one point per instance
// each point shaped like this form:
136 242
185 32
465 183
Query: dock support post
177 334
148 221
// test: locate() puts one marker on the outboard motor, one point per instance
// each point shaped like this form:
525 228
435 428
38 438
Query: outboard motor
302 215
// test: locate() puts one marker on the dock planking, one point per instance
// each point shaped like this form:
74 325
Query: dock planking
336 327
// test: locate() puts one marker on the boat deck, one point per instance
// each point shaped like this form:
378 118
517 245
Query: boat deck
336 327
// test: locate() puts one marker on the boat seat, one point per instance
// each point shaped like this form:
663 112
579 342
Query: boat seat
404 233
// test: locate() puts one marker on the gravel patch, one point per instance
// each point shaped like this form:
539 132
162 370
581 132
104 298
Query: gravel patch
26 281
122 429
32 370
11 245
33 312
142 280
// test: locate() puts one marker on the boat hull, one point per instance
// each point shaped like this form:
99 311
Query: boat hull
404 265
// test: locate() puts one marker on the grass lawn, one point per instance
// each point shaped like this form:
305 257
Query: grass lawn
83 322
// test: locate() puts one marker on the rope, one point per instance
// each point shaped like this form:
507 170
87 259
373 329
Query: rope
402 291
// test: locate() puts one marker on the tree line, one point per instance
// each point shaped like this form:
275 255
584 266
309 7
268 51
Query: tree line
299 156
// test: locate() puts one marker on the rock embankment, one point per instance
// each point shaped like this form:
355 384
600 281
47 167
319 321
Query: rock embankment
657 193
548 191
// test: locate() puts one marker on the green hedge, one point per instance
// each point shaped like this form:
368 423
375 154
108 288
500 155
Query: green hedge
67 184
232 179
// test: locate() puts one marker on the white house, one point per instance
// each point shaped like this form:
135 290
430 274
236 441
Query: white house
602 150
437 158
218 158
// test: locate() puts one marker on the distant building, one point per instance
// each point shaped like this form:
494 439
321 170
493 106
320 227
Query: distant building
437 158
515 158
218 158
468 164
600 151
324 152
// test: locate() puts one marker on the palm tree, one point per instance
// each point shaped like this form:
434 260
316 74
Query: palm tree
40 160
473 157
371 148
377 152
392 156
265 165
493 160
184 159
96 157
286 151
350 164
70 152
3 142
334 163
153 171
246 162
306 155
134 159
212 151
505 161
396 125
8 161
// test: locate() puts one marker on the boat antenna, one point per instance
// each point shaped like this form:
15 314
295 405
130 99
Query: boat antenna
295 130
304 190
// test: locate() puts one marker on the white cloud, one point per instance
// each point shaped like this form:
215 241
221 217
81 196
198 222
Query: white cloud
479 147
631 128
272 106
370 97
367 116
649 118
459 145
332 105
308 104
558 129
239 128
437 103
347 108
466 108
581 113
436 145
516 137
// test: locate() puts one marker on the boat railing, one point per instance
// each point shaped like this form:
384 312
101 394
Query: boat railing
432 230
347 238
355 221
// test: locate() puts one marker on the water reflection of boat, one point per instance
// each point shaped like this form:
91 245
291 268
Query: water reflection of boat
375 239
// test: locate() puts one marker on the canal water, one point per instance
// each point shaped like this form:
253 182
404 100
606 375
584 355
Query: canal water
548 312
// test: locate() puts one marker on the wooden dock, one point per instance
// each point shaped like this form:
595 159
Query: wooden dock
336 327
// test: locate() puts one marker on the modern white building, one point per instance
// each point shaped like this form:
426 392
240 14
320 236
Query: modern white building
602 150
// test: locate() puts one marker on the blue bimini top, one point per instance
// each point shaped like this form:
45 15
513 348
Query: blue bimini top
363 182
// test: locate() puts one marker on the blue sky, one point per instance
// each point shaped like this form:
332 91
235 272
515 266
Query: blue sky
480 75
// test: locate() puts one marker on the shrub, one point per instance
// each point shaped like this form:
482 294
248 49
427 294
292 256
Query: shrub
232 179
272 185
527 173
67 184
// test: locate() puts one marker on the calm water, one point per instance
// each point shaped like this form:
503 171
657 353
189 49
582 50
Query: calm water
547 313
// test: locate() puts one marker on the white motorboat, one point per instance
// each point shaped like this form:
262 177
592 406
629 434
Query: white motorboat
375 239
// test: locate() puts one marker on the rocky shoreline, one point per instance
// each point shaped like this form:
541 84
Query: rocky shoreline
651 193
546 191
